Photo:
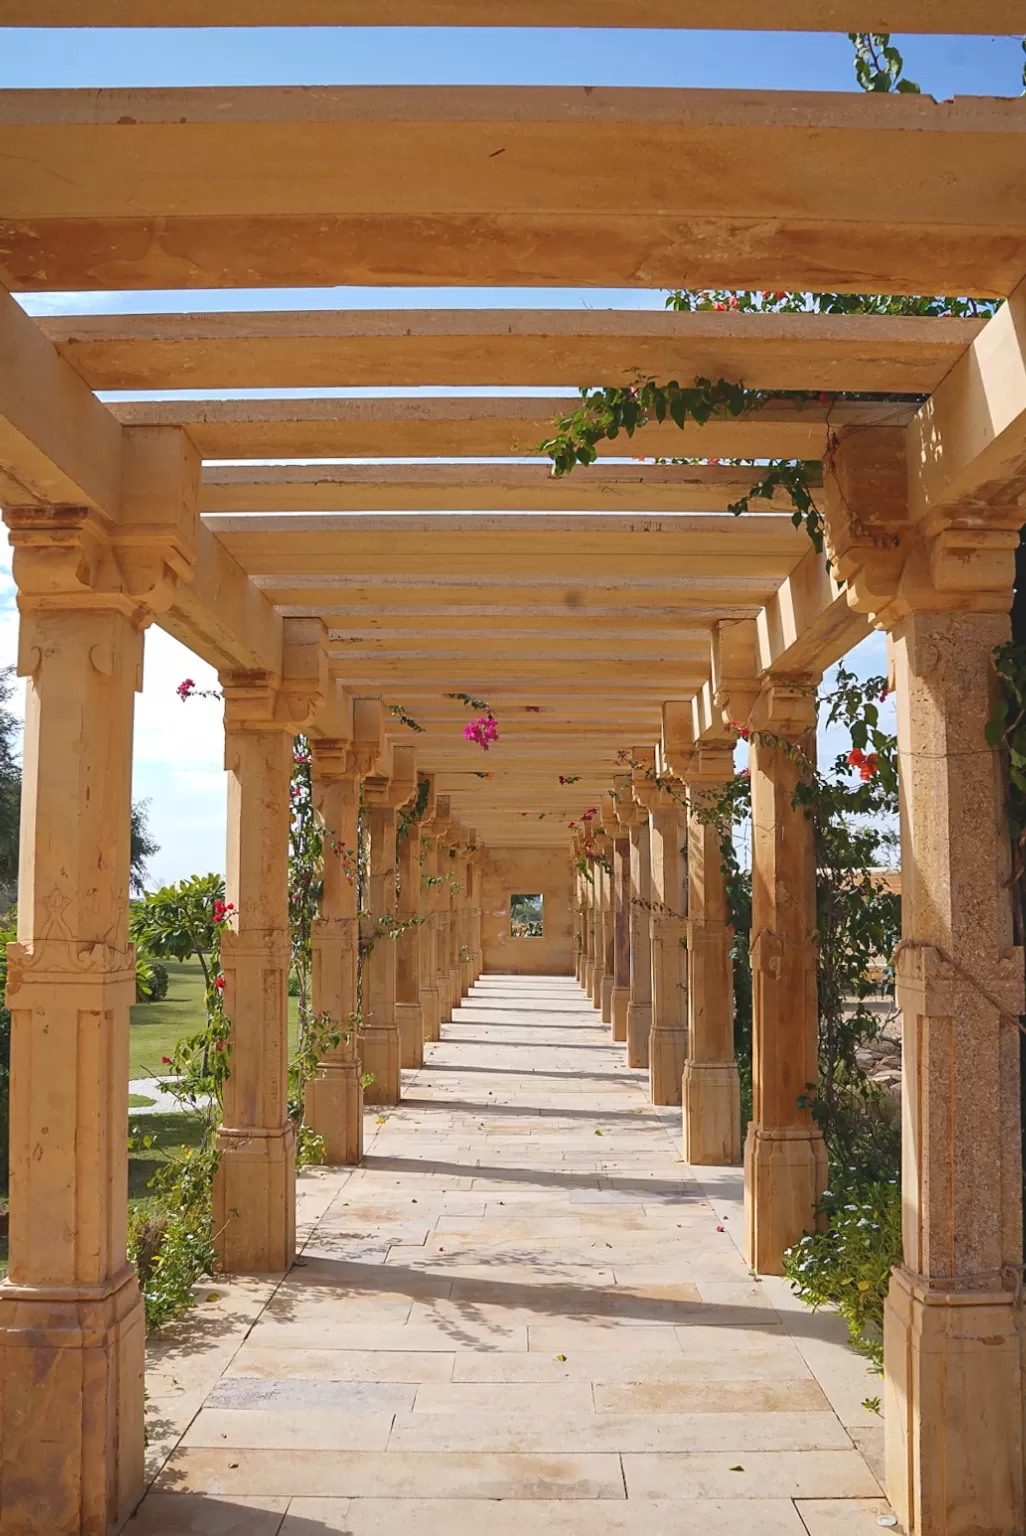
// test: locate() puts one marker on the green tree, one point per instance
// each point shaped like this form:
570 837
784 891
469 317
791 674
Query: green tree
143 847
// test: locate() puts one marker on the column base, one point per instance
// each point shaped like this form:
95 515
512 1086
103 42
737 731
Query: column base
953 1410
466 977
639 1027
712 1113
785 1175
578 966
606 999
379 1053
444 1000
71 1407
255 1200
333 1107
619 1003
410 1022
667 1053
430 1008
455 988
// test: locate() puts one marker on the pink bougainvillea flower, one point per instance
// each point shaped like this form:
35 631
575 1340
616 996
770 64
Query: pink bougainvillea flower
482 731
166 1061
219 983
719 306
185 689
219 910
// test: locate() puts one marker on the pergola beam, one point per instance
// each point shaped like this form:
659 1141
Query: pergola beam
58 445
296 187
941 16
324 349
416 488
967 445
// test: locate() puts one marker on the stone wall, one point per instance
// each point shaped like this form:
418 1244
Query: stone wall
510 871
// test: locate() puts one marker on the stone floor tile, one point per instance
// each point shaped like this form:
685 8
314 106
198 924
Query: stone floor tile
754 1474
542 1430
803 1395
357 1397
281 1428
842 1517
288 1364
369 1474
565 1517
189 1514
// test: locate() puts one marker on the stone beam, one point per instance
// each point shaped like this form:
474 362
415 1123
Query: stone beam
967 445
490 428
808 624
521 348
138 189
941 16
58 445
222 616
491 487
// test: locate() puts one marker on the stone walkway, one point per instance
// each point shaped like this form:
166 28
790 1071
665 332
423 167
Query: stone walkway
524 1296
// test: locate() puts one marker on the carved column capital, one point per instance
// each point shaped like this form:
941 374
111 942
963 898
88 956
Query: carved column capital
956 558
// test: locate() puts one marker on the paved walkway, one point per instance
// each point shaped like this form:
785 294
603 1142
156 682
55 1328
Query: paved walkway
525 1297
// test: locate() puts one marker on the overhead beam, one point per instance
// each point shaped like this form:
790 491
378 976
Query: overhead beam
808 624
967 445
324 349
222 615
481 487
487 428
58 445
941 16
294 187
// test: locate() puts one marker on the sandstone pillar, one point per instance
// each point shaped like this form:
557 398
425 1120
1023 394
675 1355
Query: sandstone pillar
333 1104
953 1334
621 993
475 917
608 932
639 1007
254 1187
71 1318
467 921
443 907
409 1014
712 1092
379 1031
667 1045
785 1157
597 964
429 999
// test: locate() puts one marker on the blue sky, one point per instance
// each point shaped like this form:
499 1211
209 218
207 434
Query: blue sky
178 748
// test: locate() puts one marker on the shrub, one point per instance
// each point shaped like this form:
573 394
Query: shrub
151 981
848 1264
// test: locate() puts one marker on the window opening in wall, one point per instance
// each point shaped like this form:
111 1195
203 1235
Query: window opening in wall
525 917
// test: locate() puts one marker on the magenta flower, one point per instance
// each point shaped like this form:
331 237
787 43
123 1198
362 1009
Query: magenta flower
185 689
482 731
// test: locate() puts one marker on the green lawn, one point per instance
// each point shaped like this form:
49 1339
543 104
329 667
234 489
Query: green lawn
157 1027
168 1132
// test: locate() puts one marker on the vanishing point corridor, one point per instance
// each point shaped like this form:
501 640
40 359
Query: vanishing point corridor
523 1297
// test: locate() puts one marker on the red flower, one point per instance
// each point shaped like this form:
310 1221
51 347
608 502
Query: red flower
166 1060
719 306
732 302
219 983
781 295
185 689
825 398
865 763
856 757
218 1045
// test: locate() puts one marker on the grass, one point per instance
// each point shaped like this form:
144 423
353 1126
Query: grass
158 1027
169 1131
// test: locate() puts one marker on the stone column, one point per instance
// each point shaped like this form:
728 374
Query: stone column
475 916
668 1042
608 933
443 905
429 999
379 1033
452 959
953 1327
785 1157
712 1091
71 1316
333 1104
598 940
621 994
467 920
255 1183
409 1014
639 1008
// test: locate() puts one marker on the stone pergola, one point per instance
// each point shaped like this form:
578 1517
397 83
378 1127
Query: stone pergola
619 611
